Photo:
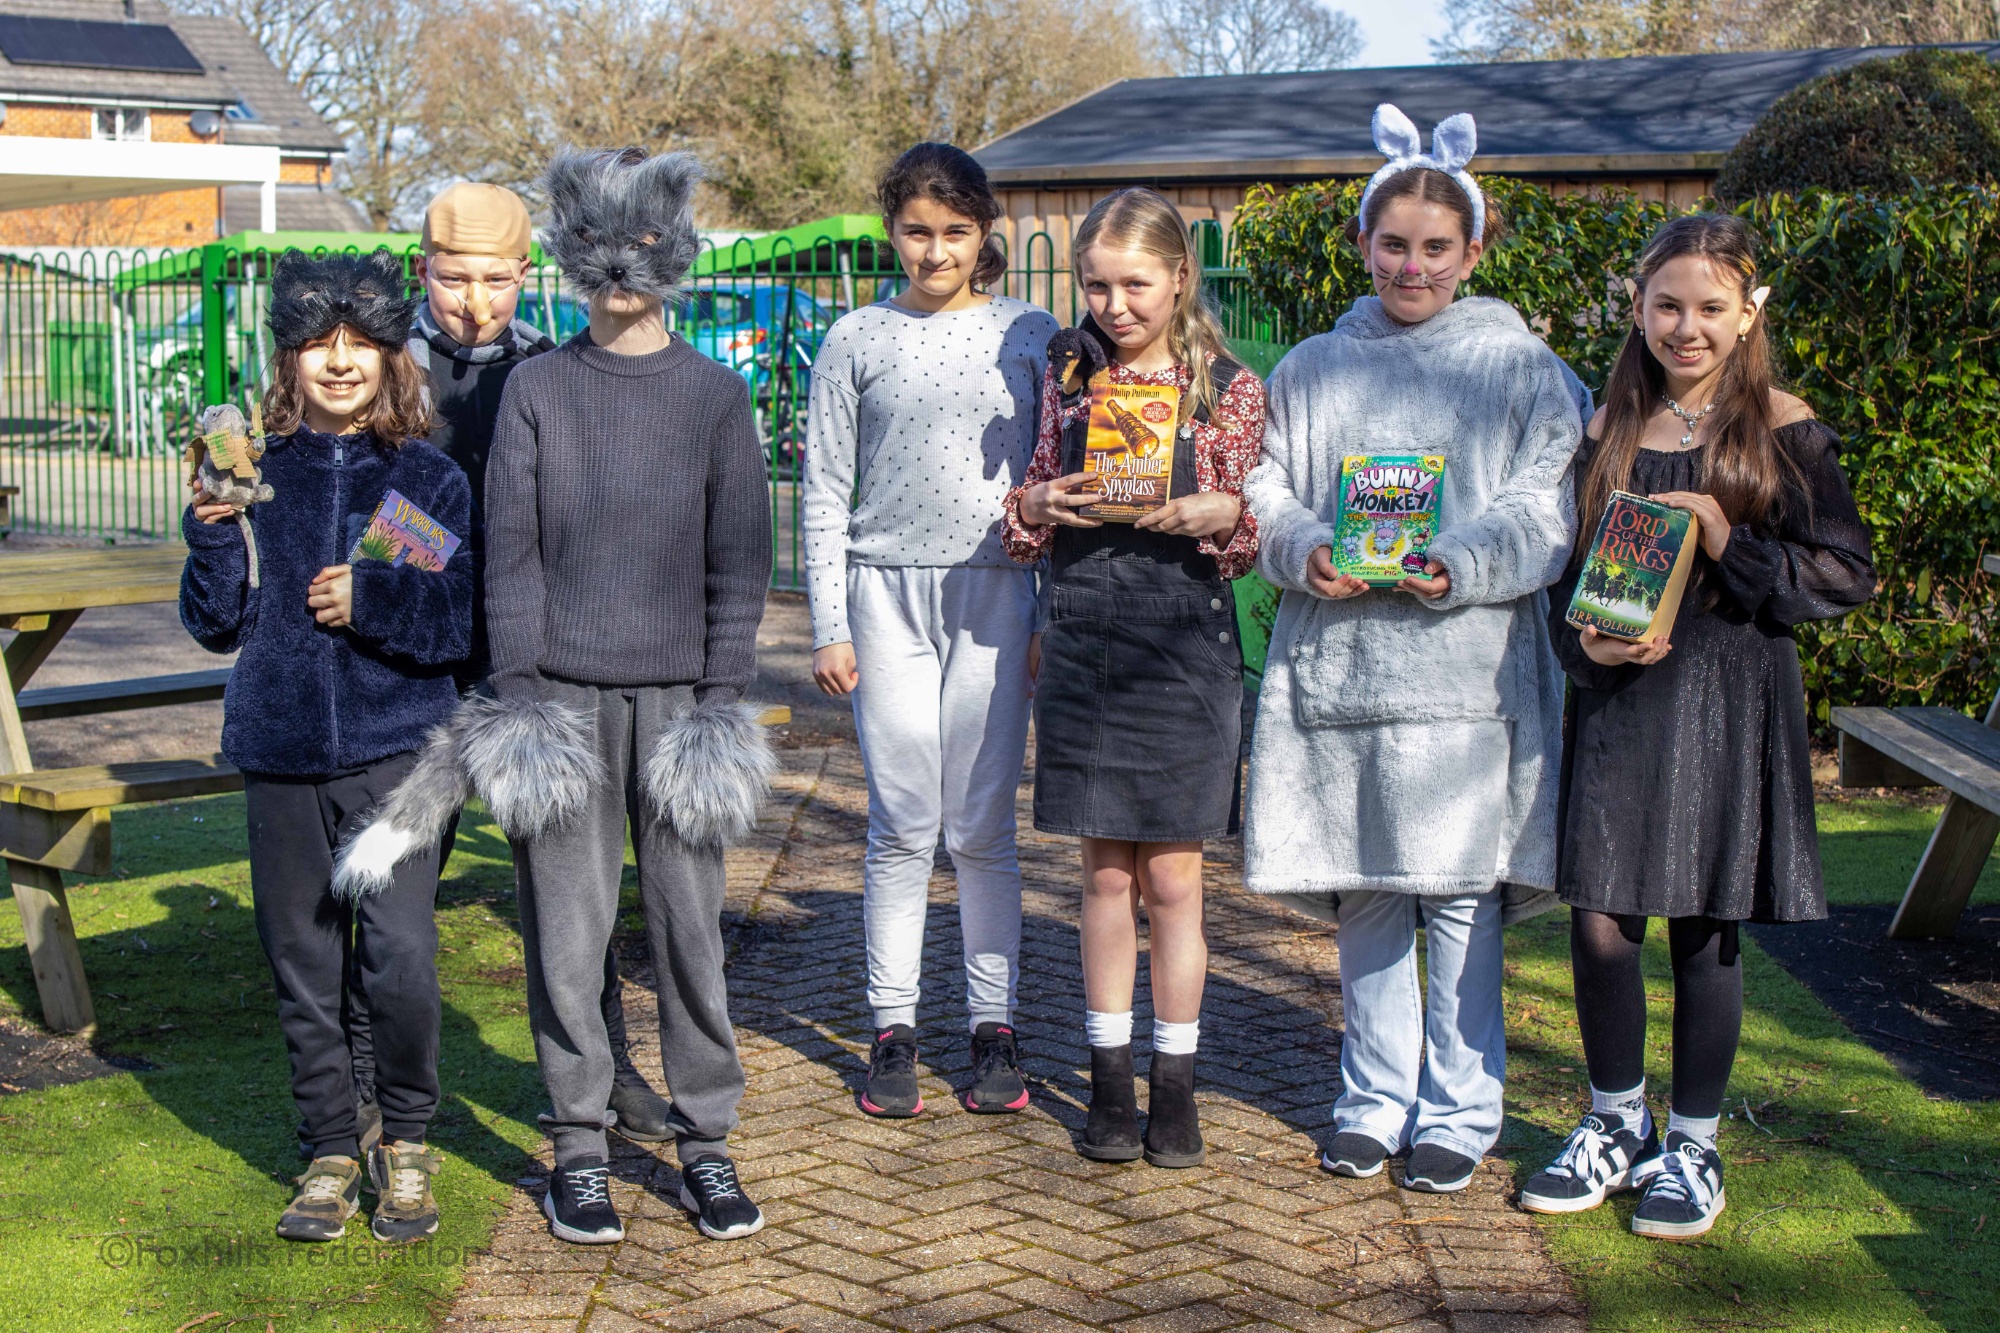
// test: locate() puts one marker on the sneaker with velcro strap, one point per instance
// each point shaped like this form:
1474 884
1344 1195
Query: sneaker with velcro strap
712 1191
997 1086
1354 1154
405 1209
1432 1168
1680 1190
329 1194
1597 1160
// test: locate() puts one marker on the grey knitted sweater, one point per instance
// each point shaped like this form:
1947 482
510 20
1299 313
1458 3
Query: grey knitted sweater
628 522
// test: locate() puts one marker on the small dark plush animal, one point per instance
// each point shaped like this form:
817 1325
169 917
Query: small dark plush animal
620 220
222 465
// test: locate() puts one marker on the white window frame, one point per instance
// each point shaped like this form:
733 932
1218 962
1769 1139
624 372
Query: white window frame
126 124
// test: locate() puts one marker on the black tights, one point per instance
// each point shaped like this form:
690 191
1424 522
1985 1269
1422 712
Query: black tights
1611 1004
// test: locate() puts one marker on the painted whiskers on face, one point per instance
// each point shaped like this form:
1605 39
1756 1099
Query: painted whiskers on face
1417 255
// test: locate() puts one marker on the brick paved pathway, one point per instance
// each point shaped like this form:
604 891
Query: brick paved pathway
961 1221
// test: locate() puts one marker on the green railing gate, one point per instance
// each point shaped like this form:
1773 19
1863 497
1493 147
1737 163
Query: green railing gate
106 358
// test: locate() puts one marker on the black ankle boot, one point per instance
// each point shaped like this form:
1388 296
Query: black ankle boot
1173 1128
1112 1132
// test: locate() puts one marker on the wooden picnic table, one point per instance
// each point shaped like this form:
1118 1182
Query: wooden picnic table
1926 747
52 820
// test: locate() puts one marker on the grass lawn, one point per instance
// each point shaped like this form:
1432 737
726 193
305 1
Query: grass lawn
146 1200
1855 1203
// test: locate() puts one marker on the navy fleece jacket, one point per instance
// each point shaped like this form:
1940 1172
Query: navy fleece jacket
306 700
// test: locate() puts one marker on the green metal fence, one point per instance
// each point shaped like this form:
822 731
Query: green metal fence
107 359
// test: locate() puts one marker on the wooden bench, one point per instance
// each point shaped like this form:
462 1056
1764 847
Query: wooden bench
118 696
57 819
1932 747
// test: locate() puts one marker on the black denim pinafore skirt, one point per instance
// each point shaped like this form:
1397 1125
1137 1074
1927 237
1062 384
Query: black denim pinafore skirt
1139 705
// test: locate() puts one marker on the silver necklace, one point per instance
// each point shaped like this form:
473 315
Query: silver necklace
1687 418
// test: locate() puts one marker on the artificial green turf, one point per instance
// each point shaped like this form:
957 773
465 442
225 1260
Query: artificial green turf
146 1200
1855 1203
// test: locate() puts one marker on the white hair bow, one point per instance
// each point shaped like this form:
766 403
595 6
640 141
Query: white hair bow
1453 143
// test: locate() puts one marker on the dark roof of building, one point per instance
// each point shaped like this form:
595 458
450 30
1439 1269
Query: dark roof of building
300 208
234 70
1643 115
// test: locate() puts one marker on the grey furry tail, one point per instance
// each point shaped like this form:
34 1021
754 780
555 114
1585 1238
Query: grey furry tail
709 772
413 817
533 763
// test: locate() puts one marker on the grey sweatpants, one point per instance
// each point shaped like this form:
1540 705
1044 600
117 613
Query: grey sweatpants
568 883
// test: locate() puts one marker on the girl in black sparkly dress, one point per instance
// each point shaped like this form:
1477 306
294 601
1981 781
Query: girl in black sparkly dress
1687 782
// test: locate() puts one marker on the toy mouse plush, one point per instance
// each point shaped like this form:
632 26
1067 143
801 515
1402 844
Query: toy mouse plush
222 464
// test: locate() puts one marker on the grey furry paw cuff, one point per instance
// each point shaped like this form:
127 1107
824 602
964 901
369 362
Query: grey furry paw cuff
534 763
709 772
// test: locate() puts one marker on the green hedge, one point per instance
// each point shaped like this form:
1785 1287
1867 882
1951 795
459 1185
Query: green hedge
1878 127
1886 315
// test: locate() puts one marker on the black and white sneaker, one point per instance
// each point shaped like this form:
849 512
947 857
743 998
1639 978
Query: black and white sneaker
1680 1190
711 1191
1436 1169
1355 1154
578 1204
997 1086
1596 1160
892 1091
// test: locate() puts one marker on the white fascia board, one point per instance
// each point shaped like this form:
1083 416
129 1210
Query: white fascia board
36 172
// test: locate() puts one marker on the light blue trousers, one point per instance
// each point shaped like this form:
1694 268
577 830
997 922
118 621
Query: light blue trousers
1418 1073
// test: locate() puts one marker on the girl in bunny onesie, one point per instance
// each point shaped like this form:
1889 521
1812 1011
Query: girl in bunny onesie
1421 724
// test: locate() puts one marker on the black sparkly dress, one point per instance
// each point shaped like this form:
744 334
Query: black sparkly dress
1687 785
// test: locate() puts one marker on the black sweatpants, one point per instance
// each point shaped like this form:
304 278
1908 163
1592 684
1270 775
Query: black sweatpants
314 940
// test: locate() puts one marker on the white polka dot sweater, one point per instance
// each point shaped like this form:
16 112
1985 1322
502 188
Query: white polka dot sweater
917 428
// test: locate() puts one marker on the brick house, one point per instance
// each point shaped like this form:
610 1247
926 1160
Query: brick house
124 124
1657 125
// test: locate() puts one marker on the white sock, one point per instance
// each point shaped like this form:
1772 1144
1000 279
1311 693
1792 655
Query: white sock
1176 1038
1628 1106
1108 1029
1701 1131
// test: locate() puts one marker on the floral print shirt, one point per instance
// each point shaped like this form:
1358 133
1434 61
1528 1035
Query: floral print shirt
1225 449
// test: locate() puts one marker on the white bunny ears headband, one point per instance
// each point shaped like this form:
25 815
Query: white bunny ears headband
1452 145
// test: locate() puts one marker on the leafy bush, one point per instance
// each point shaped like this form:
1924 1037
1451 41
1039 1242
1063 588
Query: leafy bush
1886 317
1925 117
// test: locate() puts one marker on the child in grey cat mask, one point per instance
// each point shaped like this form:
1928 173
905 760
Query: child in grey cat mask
621 221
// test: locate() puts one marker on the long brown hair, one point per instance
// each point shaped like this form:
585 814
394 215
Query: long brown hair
1145 220
951 178
399 414
1742 465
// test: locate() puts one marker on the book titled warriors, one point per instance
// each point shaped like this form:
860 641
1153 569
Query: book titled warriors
1388 513
1632 579
399 533
1129 450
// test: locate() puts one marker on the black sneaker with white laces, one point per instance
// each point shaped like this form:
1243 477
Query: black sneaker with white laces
1433 1168
997 1086
891 1091
578 1204
1354 1154
1680 1190
711 1191
1596 1160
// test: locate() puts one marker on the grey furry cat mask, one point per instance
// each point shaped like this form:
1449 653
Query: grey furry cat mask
312 295
621 221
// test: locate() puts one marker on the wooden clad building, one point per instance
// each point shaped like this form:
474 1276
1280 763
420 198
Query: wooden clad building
1659 125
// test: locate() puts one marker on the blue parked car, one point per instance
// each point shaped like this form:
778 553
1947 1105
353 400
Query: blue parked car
741 325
